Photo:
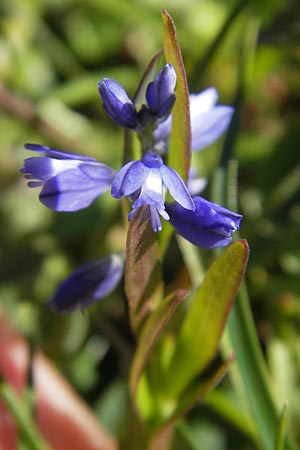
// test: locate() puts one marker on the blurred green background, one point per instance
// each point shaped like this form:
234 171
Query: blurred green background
52 54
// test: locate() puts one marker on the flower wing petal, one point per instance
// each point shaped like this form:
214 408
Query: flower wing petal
203 101
77 188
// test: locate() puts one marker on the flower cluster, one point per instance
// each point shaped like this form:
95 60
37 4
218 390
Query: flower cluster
71 182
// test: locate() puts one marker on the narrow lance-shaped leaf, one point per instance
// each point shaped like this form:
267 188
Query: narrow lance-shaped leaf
201 331
152 330
143 275
179 154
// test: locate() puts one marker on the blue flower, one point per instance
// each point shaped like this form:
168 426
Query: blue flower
160 93
208 226
88 284
69 182
118 106
208 121
146 181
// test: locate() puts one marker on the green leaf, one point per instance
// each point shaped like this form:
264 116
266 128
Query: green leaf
179 155
198 390
143 275
282 428
150 334
201 331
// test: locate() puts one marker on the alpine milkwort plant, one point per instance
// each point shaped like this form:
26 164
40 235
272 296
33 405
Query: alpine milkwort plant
161 194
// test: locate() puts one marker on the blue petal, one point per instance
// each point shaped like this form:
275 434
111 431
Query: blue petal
160 94
36 168
42 169
210 125
156 203
117 104
77 188
176 186
129 179
88 284
195 184
208 122
203 101
57 154
155 219
209 226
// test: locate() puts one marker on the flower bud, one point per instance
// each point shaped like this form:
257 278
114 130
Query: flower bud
160 94
118 106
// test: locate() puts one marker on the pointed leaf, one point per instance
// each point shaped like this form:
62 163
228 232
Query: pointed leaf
143 275
150 334
179 156
201 331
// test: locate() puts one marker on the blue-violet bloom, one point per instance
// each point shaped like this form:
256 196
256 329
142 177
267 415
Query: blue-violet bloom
208 121
146 181
69 182
88 284
209 226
